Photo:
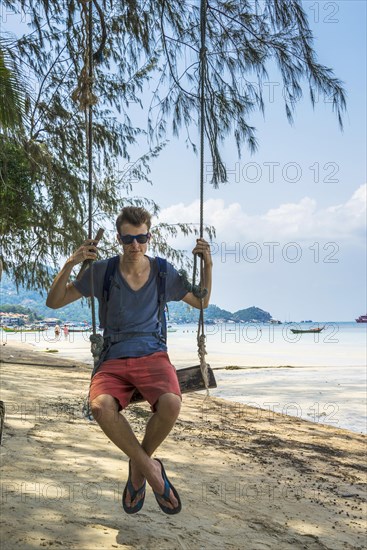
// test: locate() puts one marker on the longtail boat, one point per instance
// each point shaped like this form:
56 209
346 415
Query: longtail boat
24 329
312 330
79 329
362 319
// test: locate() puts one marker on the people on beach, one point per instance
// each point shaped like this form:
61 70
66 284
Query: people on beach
66 330
135 352
57 330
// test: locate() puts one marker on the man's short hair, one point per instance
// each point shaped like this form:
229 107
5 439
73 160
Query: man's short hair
136 215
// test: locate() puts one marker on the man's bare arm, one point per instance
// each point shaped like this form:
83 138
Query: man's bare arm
202 248
62 292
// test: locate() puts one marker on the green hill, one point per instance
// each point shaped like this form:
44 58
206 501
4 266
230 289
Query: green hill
34 301
252 314
79 311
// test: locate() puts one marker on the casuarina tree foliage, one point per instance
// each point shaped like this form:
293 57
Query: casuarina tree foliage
146 54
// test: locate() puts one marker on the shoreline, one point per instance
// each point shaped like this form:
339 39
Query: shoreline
344 348
273 481
325 395
67 355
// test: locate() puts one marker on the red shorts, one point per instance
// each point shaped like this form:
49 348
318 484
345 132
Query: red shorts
153 375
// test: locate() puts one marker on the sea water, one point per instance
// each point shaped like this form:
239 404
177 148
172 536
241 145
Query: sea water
319 377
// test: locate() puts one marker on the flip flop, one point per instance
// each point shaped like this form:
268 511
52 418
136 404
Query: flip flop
133 494
167 488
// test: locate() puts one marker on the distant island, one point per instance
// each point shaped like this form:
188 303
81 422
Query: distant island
30 303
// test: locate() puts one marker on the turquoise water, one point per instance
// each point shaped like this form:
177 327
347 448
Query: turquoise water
318 377
339 344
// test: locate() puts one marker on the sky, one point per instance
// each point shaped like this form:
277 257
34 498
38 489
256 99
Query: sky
291 221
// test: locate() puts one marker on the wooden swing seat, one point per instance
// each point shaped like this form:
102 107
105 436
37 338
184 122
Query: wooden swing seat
190 380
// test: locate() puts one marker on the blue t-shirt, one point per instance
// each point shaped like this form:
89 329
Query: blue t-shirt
131 310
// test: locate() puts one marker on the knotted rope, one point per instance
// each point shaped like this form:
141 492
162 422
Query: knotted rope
201 338
84 96
97 343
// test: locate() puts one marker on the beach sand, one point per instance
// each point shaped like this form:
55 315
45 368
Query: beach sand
248 478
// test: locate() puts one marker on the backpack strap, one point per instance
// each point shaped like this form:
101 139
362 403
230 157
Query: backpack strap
161 286
108 276
111 268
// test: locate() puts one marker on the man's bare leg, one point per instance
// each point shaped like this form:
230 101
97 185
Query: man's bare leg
157 429
118 430
161 422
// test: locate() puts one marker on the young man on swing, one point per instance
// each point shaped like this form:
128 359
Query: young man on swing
138 356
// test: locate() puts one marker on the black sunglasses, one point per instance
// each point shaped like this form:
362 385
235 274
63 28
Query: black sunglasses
141 239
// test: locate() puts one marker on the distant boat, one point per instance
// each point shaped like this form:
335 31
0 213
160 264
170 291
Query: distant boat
313 330
79 328
24 328
362 319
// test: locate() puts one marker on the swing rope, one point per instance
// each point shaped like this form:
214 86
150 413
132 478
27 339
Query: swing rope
84 96
201 338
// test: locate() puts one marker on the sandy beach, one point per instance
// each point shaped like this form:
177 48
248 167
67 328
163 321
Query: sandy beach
248 478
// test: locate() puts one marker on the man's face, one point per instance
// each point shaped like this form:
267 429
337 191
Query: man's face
134 250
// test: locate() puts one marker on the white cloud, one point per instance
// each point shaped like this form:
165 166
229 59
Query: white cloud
302 221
